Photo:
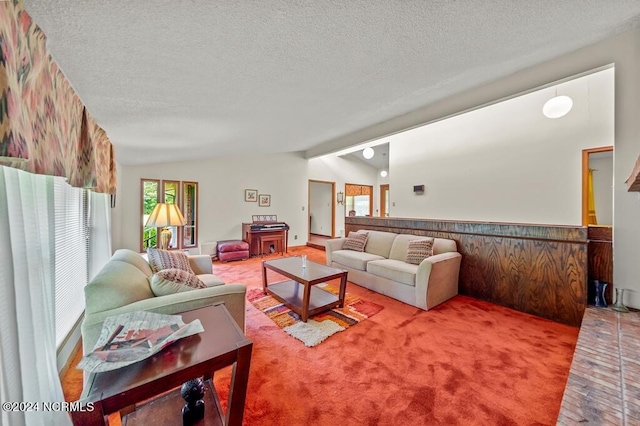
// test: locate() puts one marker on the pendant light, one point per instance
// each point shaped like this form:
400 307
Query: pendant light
558 106
384 172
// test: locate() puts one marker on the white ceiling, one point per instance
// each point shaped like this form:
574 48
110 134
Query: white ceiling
189 79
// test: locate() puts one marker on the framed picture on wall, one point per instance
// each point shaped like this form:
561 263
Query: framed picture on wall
251 195
264 200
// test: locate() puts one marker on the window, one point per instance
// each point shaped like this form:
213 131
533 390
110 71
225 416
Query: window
185 195
190 213
57 243
150 197
358 200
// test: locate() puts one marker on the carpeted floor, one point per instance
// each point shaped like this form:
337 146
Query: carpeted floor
466 362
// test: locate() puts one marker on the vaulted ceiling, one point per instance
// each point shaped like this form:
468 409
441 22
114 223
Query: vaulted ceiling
192 79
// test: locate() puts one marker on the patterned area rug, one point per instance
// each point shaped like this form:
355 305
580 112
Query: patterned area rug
320 326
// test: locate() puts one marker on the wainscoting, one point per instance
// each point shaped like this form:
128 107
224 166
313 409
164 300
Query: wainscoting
601 259
538 269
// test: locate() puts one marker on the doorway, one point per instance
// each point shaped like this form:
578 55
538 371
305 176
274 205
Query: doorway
597 186
384 200
321 209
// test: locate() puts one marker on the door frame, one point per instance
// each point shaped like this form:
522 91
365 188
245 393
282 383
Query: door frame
585 179
333 206
383 199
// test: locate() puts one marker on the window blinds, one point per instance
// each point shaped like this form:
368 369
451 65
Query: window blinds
70 256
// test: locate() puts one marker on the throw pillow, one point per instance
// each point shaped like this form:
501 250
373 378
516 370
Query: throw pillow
356 241
419 250
165 259
169 281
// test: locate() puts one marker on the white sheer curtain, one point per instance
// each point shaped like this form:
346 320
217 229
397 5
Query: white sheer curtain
99 232
27 297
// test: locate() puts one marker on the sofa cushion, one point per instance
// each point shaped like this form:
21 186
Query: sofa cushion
354 259
117 284
395 270
379 243
419 250
356 241
443 245
165 259
210 280
169 281
401 246
130 256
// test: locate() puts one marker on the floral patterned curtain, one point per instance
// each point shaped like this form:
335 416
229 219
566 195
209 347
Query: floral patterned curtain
44 127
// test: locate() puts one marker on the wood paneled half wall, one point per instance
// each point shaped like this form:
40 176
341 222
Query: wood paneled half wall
538 269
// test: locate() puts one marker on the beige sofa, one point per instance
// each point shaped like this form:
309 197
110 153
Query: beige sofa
381 267
122 286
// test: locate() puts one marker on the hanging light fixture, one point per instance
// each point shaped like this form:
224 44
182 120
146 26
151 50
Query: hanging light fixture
384 172
368 153
558 106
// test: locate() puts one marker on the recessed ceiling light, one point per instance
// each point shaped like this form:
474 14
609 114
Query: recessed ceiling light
557 107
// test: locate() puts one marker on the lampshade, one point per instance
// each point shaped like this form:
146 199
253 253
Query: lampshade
165 215
557 107
368 153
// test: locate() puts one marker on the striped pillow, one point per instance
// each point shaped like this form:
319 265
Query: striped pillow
169 281
419 250
356 241
165 259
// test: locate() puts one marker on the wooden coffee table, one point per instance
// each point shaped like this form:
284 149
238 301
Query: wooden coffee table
300 292
221 344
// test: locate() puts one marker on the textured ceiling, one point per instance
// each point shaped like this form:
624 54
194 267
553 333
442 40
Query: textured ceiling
186 79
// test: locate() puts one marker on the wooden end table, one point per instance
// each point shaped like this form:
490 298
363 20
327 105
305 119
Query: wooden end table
221 344
300 293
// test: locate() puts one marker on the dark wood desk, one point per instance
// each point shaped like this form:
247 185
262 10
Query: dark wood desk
221 344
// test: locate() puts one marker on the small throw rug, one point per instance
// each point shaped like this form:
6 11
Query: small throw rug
320 326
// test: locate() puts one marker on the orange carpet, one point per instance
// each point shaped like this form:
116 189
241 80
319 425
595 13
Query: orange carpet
466 362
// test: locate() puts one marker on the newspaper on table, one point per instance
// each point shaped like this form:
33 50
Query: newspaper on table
128 338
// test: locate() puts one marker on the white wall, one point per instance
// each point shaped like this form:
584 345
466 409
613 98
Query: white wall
622 50
603 188
222 182
320 201
341 171
505 162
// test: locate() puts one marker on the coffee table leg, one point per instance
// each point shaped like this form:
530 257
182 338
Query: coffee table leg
305 302
264 278
343 289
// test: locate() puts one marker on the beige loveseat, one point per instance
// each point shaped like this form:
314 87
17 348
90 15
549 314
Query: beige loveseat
381 267
122 286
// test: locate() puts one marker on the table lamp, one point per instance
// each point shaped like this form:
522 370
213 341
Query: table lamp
164 216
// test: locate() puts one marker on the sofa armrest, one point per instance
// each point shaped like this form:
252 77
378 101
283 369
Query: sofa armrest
332 245
233 296
201 264
437 279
